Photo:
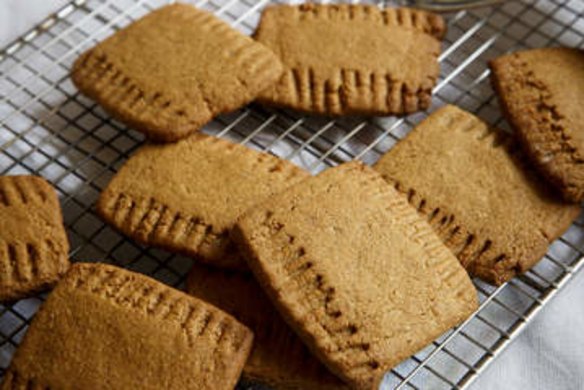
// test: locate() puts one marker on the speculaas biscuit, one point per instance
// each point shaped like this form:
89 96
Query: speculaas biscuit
185 197
344 59
541 92
172 71
278 357
34 250
352 267
107 328
477 191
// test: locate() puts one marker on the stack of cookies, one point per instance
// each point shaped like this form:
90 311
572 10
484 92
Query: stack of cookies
299 281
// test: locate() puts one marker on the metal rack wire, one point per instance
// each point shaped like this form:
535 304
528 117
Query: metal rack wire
48 128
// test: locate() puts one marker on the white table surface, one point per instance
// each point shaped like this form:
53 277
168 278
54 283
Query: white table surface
548 355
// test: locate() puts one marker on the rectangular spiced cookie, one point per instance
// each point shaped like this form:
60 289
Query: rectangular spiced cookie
541 92
475 188
355 271
342 59
175 69
278 357
185 196
105 327
34 250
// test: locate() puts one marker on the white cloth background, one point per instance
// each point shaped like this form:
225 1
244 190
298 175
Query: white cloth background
548 355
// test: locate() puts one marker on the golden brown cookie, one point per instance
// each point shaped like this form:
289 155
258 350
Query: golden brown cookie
352 59
34 250
172 71
105 327
359 275
541 92
278 358
476 190
185 197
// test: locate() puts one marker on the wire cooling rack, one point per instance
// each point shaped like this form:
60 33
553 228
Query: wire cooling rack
48 128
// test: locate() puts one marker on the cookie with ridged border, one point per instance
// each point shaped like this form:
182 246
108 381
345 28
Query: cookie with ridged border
477 190
106 327
172 71
278 357
34 250
186 196
541 91
342 59
355 271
